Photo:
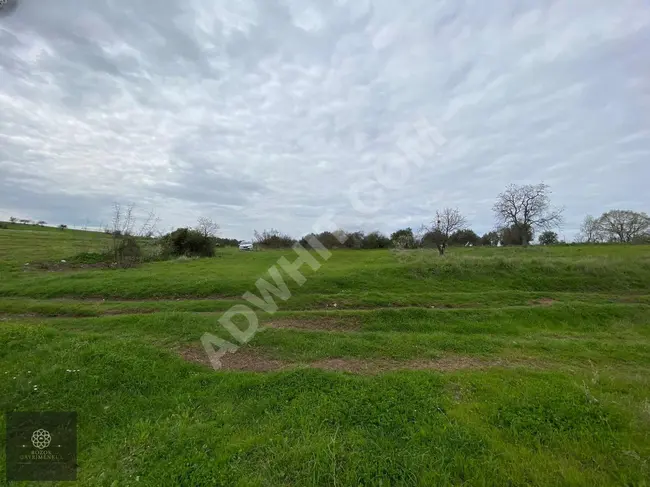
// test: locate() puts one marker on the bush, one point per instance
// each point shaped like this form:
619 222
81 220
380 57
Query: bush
403 239
127 252
188 242
4 226
226 242
272 239
376 240
516 235
464 237
339 239
548 238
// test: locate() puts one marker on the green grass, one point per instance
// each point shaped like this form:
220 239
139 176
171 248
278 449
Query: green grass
566 403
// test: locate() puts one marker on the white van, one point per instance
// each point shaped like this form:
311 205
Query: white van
245 245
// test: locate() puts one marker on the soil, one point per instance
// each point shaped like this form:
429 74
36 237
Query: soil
250 360
316 324
543 302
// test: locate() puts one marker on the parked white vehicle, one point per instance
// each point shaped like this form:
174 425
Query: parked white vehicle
245 245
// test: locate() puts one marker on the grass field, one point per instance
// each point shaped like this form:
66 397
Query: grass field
495 366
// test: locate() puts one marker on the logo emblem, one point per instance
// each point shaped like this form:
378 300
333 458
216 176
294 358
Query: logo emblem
41 438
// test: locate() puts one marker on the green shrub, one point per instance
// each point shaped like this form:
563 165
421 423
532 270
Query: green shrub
127 252
188 242
376 240
273 239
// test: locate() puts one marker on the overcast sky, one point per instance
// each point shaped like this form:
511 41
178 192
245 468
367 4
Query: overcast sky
270 113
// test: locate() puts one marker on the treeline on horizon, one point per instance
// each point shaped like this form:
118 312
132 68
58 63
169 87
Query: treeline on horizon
522 212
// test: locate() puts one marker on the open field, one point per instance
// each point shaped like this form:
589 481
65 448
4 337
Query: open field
491 366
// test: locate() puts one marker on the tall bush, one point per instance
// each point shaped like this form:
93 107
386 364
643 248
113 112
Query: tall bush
188 242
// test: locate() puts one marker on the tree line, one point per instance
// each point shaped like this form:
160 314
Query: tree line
521 213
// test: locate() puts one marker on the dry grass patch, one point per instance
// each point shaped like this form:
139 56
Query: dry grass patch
315 324
251 360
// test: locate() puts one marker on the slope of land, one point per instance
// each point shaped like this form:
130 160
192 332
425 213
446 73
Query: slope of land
486 367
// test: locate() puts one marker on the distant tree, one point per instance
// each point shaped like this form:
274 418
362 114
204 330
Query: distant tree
642 239
341 237
448 221
207 227
490 239
403 239
623 226
42 223
516 235
528 208
123 220
548 237
327 240
429 239
25 221
354 240
226 242
63 227
188 242
273 239
376 240
13 219
464 237
149 226
124 244
591 231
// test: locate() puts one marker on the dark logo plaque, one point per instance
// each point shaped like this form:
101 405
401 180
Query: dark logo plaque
41 446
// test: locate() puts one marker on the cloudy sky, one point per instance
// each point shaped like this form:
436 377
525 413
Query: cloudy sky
274 113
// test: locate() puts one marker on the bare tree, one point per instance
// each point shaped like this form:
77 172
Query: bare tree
207 227
590 231
123 219
527 207
150 225
623 226
13 219
448 221
125 246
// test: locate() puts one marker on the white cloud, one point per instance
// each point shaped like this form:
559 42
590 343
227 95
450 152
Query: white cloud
264 114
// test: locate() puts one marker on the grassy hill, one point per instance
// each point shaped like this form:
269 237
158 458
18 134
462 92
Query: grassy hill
21 244
496 366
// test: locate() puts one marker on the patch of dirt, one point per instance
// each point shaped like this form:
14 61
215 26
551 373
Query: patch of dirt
315 324
242 360
251 361
67 266
456 306
117 299
195 355
134 311
17 316
446 364
543 302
